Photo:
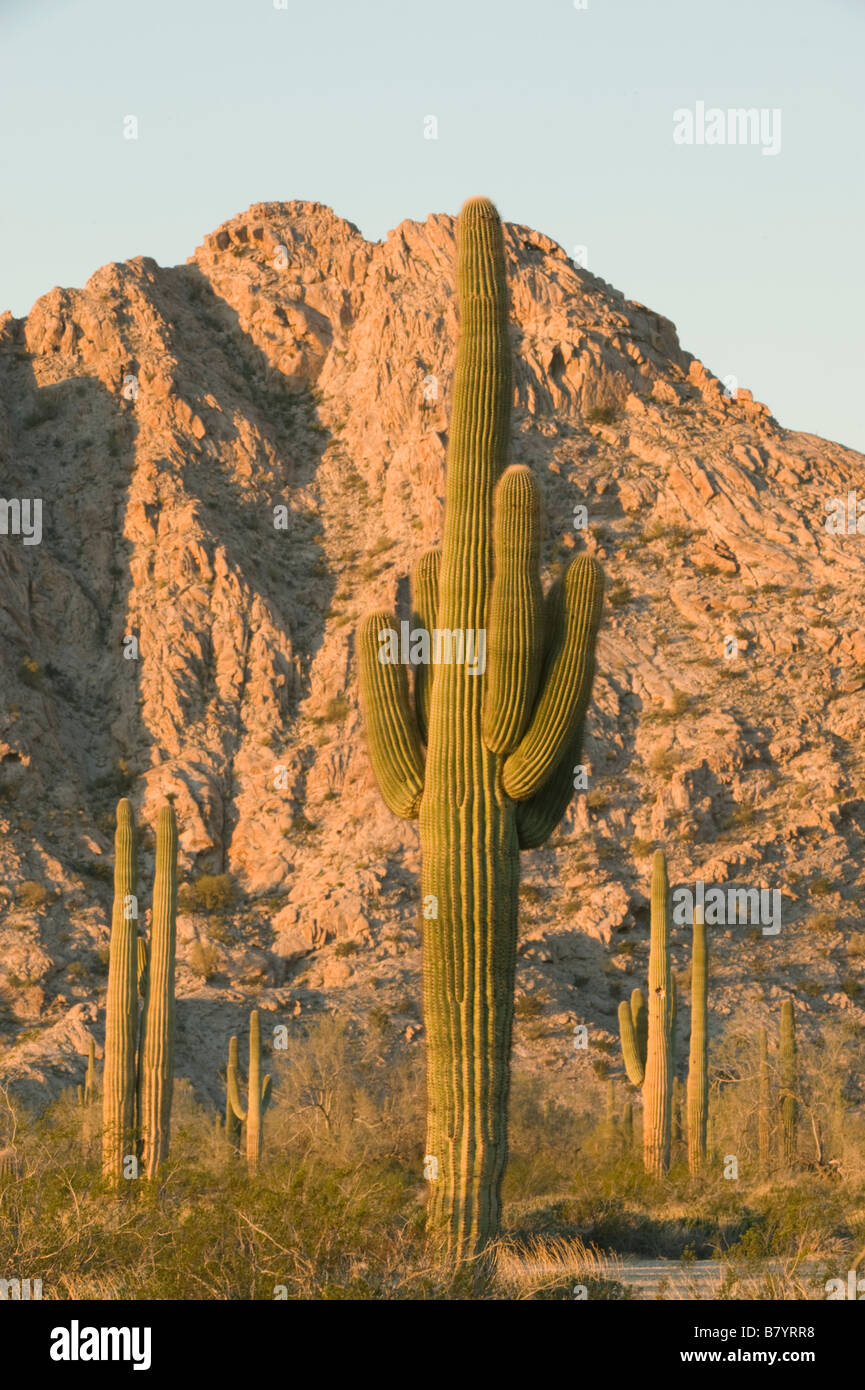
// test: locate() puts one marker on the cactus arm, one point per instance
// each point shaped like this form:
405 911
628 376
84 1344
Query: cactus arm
634 1063
640 1019
121 1009
425 593
574 618
157 1052
698 1056
234 1106
515 625
538 817
657 1088
391 730
266 1092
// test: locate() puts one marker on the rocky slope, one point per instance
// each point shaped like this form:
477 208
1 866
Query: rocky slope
237 457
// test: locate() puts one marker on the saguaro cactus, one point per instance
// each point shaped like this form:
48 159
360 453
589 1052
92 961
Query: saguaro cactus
121 1009
789 1084
257 1092
233 1122
647 1034
138 1072
156 1063
698 1055
87 1092
497 773
763 1123
658 1084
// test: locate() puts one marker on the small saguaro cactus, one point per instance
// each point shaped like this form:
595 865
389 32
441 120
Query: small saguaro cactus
484 758
678 1129
258 1092
647 1034
87 1092
137 1075
628 1127
698 1056
156 1062
763 1093
789 1084
233 1123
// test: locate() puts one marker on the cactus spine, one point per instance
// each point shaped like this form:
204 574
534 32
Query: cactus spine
258 1093
763 1127
138 1072
788 1084
698 1056
121 1009
658 1083
497 774
156 1062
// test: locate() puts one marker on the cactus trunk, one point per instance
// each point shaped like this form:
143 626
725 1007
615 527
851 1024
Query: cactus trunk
698 1058
657 1087
121 1010
156 1066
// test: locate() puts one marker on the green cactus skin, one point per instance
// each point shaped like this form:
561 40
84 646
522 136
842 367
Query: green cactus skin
763 1124
657 1086
121 1010
156 1062
633 1033
232 1119
698 1055
789 1084
471 830
8 1163
257 1093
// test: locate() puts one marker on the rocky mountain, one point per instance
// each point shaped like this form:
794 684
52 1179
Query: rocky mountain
236 458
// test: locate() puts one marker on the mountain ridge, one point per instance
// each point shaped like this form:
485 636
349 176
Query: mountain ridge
165 414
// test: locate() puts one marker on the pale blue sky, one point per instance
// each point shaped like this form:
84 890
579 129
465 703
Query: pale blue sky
563 116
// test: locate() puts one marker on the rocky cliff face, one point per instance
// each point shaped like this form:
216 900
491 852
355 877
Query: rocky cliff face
236 458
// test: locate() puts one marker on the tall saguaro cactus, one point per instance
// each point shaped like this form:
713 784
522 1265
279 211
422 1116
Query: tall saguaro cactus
658 1085
156 1063
258 1093
138 1072
497 771
647 1033
789 1107
121 1009
698 1055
